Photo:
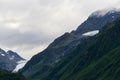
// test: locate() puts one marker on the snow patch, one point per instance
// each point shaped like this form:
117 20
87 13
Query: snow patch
91 33
20 65
2 54
12 58
113 17
7 52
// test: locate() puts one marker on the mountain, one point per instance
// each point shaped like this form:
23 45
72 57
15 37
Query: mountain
41 64
6 75
9 60
15 55
96 59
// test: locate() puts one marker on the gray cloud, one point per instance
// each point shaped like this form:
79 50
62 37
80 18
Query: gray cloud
28 26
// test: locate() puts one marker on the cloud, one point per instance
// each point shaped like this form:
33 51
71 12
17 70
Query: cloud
28 26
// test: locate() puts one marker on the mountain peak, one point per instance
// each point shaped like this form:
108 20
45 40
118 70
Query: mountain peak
101 13
14 54
98 19
9 60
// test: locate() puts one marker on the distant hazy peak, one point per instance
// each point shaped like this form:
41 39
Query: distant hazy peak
103 12
9 60
12 53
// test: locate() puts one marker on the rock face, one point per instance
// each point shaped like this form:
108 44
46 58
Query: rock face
8 60
61 46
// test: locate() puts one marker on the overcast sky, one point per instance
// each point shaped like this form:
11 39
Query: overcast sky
28 26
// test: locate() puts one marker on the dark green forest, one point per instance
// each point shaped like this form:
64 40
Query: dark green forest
6 75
